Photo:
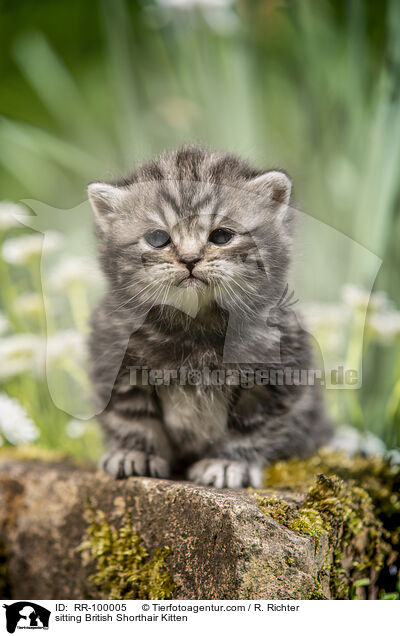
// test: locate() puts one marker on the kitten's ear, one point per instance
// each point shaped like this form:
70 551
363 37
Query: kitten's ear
275 186
106 201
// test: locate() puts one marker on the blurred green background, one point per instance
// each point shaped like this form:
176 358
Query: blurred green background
89 89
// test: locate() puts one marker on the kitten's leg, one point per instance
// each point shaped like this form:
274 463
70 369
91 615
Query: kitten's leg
233 467
255 439
136 441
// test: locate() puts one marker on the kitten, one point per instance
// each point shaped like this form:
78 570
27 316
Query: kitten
196 247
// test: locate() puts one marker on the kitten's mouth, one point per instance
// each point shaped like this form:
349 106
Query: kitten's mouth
192 280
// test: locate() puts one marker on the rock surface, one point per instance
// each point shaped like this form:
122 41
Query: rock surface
222 545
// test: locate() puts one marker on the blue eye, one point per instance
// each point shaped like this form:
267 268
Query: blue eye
158 238
220 237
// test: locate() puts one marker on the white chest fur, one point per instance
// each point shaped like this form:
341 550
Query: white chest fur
194 419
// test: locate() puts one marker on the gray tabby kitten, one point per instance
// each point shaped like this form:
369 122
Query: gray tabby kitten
195 247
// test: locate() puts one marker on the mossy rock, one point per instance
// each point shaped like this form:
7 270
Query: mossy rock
355 502
124 568
322 528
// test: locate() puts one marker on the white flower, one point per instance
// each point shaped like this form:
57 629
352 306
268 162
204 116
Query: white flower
328 324
393 456
188 4
29 304
370 444
19 251
4 324
217 13
325 315
72 270
355 296
61 345
358 298
385 325
8 213
351 441
17 354
64 343
76 428
15 425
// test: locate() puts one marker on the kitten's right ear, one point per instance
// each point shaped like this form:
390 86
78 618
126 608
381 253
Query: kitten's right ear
106 201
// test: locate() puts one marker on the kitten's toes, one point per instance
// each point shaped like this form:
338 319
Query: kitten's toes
225 473
122 464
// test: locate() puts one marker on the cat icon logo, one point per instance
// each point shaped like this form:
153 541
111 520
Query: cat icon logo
26 615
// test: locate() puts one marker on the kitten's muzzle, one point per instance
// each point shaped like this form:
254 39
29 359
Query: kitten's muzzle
190 260
192 279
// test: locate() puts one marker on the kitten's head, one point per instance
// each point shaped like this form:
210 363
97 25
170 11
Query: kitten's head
193 230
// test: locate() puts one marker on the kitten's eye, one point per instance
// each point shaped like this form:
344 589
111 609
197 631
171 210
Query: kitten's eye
158 238
220 237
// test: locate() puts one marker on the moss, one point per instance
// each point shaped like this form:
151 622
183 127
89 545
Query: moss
356 503
374 474
356 534
30 452
124 569
302 520
317 593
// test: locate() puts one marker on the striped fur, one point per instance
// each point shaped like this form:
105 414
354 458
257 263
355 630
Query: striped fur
156 315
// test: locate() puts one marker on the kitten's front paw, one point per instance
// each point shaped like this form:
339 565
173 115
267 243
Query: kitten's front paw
225 473
122 464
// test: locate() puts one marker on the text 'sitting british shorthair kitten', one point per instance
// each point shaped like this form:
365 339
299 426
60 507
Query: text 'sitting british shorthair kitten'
195 346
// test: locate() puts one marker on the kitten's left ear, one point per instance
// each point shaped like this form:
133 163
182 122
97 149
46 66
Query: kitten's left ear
275 186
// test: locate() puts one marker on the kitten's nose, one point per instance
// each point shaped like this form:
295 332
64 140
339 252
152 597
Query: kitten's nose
190 260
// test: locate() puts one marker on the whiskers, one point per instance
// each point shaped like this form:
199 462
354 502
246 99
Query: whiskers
223 285
241 297
141 292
